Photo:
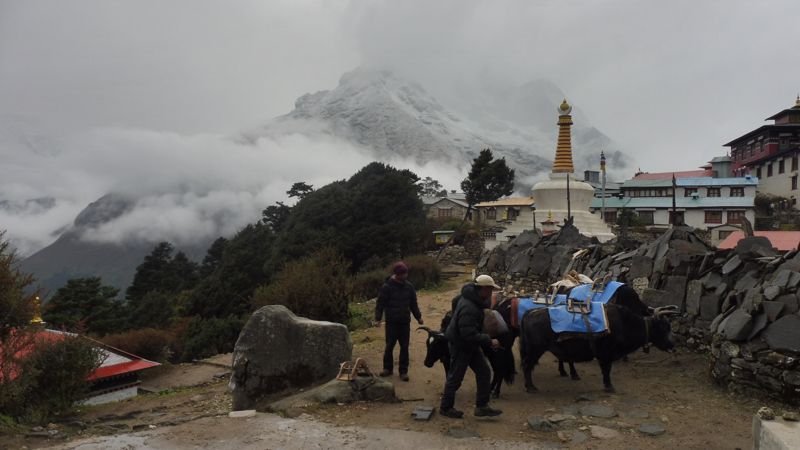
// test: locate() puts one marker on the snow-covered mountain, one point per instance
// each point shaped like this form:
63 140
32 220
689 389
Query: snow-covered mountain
385 116
391 116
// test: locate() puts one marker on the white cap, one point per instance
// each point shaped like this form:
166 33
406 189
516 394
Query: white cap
486 280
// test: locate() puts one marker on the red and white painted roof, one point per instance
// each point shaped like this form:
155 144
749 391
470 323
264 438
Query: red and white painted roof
783 241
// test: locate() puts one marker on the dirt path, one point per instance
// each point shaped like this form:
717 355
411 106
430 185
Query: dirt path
652 389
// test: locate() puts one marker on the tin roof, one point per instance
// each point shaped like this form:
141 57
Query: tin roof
680 202
782 240
668 175
693 181
510 201
449 199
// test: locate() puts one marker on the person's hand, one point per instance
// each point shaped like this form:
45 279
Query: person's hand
420 321
495 344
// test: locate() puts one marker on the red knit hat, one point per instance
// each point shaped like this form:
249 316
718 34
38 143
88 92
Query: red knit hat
399 267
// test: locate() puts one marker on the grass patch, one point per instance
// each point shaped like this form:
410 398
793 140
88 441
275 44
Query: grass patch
360 315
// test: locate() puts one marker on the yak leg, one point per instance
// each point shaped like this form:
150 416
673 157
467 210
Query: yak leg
528 364
572 372
605 367
561 370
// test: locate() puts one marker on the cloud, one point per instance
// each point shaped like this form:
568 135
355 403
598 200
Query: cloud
184 188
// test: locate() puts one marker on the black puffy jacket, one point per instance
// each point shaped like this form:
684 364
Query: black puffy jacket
398 300
466 327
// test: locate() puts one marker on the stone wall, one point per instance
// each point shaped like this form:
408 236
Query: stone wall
740 306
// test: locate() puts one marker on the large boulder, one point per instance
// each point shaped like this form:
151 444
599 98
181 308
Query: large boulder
277 350
754 247
784 334
362 389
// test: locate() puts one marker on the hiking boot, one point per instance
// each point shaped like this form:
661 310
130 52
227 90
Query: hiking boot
452 413
385 373
486 411
404 376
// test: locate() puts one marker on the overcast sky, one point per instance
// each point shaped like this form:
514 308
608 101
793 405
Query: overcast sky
83 81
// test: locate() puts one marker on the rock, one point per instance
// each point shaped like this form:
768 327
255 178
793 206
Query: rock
277 350
721 290
540 263
639 285
772 292
694 290
784 334
731 265
760 322
538 423
242 413
791 303
461 433
676 284
773 310
709 307
781 278
747 282
752 301
791 416
641 267
737 326
599 432
657 297
597 410
766 413
730 349
558 418
652 429
753 247
794 280
578 437
635 414
520 264
370 389
570 410
711 281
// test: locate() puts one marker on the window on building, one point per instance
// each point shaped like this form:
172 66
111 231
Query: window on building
769 169
491 214
724 233
687 192
737 192
713 192
794 163
735 217
513 213
782 166
794 183
646 217
713 216
758 172
611 217
445 213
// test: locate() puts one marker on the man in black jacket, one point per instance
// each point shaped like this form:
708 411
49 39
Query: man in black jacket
398 300
465 337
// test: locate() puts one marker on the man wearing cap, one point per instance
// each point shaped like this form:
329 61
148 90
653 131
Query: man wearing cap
465 337
398 300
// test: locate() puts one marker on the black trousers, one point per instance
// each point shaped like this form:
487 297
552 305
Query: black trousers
396 332
460 360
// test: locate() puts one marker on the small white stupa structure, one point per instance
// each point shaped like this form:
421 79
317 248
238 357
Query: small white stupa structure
551 197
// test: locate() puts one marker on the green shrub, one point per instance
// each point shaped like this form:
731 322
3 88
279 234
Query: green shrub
317 287
423 271
360 315
149 343
209 337
366 285
50 379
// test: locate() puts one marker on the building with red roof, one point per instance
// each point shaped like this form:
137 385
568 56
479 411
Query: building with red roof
116 379
783 241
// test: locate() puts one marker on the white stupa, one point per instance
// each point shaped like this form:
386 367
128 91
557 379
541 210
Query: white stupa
550 196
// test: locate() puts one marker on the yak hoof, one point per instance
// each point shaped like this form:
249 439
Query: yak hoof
575 377
496 394
610 389
563 374
531 389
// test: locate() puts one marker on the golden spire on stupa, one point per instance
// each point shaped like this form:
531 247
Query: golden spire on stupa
797 100
563 161
37 313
